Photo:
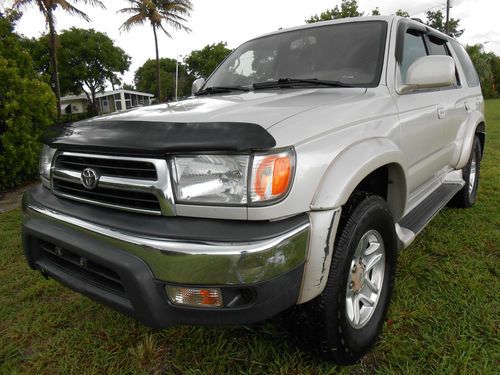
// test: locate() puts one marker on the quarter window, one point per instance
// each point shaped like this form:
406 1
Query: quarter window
466 63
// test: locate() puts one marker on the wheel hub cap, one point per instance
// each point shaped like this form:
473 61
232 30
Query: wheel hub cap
358 276
365 281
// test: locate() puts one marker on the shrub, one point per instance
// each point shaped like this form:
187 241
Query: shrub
27 108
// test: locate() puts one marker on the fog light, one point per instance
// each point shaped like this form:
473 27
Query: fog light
206 297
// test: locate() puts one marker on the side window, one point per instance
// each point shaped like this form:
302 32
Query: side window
413 48
438 46
466 63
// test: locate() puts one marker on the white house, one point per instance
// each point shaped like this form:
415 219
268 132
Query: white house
107 102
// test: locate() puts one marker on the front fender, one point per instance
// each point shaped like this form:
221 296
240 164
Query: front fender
356 162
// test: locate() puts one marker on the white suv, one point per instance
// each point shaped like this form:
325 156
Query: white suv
287 182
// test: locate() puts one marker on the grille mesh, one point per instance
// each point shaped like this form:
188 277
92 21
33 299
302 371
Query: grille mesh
137 195
110 167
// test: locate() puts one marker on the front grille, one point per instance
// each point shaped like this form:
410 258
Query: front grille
127 183
77 265
119 198
110 167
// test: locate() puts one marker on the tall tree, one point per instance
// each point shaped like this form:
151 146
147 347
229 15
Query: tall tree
202 63
91 59
487 66
402 13
47 8
145 78
348 8
436 19
160 14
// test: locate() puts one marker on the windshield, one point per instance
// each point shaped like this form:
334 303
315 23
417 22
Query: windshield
347 53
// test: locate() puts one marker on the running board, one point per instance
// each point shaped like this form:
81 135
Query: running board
416 220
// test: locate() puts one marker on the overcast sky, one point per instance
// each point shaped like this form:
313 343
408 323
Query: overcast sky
235 21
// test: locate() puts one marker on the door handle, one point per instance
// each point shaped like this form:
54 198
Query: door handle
441 112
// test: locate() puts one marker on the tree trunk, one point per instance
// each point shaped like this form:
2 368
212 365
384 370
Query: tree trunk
158 81
53 60
94 103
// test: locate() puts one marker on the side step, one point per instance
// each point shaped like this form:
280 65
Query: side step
416 220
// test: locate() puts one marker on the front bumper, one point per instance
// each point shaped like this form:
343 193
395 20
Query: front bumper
124 261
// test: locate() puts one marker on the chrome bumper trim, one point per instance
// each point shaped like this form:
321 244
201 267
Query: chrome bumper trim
194 262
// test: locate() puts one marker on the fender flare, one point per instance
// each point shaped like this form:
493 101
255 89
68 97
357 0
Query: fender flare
477 119
356 162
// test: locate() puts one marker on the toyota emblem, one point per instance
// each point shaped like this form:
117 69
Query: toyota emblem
89 178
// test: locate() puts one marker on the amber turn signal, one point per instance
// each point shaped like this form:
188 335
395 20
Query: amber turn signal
271 176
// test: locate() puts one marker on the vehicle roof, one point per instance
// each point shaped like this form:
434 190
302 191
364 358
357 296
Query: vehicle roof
388 19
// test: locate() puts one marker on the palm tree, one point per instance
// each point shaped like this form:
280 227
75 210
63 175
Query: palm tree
47 8
159 13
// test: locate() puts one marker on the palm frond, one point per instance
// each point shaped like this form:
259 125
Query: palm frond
18 4
136 19
164 30
94 3
71 9
160 13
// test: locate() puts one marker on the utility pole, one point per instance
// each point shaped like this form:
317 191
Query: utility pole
176 75
447 25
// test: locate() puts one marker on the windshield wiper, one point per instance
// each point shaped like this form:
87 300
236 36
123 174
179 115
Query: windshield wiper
289 82
220 89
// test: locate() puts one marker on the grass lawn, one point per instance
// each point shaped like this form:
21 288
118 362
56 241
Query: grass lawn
444 318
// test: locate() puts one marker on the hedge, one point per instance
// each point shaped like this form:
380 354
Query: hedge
27 108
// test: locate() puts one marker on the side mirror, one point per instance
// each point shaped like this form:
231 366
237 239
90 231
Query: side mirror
429 72
197 85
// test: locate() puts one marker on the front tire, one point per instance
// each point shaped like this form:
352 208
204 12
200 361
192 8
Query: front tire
467 196
348 316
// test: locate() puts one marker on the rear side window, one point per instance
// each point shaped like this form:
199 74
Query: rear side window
466 63
437 46
414 48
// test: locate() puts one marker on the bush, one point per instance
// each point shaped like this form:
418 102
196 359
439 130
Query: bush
67 118
27 108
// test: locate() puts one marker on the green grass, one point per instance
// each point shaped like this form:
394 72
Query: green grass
444 318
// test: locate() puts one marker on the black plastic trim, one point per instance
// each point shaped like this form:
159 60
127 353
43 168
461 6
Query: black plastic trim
145 297
157 138
417 219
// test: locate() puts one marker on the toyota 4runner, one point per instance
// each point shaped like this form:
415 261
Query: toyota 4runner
287 182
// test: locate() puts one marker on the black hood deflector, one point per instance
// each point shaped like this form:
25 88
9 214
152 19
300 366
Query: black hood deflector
158 138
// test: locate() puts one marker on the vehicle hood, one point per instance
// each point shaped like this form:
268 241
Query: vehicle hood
264 108
233 122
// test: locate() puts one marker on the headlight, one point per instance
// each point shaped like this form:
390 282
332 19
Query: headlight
45 164
211 178
233 179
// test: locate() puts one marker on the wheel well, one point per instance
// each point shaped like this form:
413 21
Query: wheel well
481 134
389 183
